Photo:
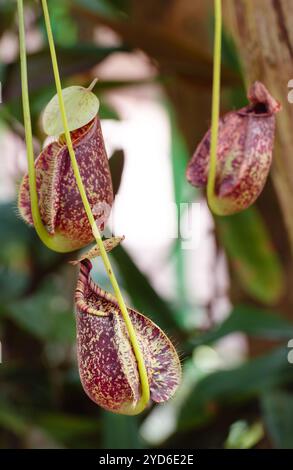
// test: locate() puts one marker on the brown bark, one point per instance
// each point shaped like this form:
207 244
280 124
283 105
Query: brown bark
265 41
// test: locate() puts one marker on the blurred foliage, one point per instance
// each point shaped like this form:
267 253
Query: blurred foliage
248 245
73 60
41 399
222 388
242 436
278 415
182 195
64 27
126 435
116 163
251 321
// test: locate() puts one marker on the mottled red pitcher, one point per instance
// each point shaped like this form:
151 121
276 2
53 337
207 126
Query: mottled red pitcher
244 153
60 204
107 364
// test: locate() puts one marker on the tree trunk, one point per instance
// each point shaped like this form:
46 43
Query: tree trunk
263 32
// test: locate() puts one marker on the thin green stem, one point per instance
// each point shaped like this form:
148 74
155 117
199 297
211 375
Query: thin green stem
215 105
145 391
56 243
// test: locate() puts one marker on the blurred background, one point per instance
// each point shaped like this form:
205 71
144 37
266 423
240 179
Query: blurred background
226 303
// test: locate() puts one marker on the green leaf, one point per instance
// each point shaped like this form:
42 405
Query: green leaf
120 432
143 295
45 315
243 436
179 158
11 420
14 238
13 281
7 10
243 382
116 163
81 106
277 409
251 321
64 25
66 427
230 57
254 260
107 112
13 230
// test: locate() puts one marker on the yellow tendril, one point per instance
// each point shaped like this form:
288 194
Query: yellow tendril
58 242
215 106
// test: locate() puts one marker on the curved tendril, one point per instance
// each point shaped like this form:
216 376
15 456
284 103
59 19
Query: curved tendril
145 391
215 105
47 239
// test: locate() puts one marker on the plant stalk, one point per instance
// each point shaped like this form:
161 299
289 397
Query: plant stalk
215 105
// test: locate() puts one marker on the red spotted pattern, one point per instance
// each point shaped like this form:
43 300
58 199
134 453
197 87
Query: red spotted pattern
107 364
59 200
244 153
